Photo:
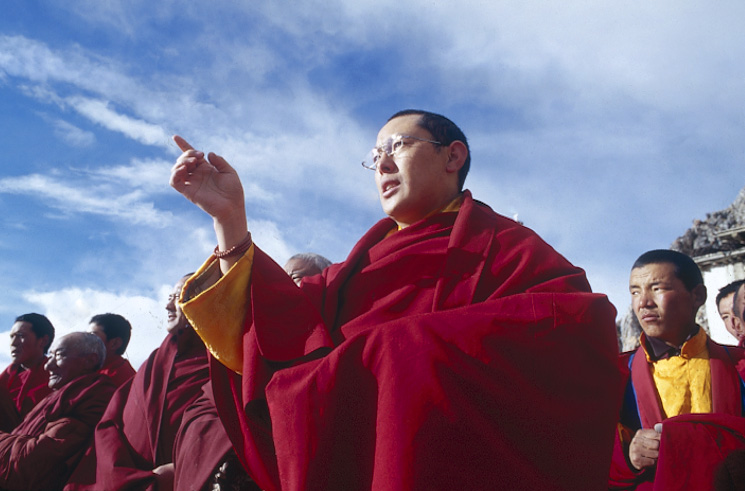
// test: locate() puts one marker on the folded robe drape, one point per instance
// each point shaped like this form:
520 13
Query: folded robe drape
43 450
137 432
21 389
118 369
692 446
462 352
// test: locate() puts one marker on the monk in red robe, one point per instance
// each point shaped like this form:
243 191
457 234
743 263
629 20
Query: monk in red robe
133 446
44 449
25 382
453 349
683 410
203 454
115 331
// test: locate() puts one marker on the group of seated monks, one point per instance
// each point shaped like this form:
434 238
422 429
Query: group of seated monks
76 415
452 349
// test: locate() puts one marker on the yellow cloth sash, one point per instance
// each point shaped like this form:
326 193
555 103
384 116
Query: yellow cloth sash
684 382
217 313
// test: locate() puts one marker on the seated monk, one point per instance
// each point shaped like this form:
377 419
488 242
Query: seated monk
43 450
115 331
452 349
203 455
133 446
25 382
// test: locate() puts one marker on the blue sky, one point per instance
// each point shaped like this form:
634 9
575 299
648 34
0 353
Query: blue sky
607 127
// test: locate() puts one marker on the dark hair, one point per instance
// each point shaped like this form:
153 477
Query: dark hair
728 290
686 270
444 131
40 325
114 326
740 315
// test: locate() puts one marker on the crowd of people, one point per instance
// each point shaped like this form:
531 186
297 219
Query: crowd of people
452 349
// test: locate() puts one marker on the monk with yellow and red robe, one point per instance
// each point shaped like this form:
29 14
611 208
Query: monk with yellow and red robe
41 453
453 349
25 382
134 442
683 410
203 454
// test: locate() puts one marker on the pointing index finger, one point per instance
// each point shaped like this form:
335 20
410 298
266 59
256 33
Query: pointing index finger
182 144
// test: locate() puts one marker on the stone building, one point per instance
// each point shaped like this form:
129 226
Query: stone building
717 244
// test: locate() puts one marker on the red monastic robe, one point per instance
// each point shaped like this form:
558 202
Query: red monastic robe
461 352
692 446
118 369
21 389
137 432
201 445
43 450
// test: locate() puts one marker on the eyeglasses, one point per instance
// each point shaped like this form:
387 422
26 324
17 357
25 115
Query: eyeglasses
391 147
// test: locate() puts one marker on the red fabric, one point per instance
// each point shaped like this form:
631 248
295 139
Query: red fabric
137 432
25 387
459 353
699 433
44 449
201 444
118 369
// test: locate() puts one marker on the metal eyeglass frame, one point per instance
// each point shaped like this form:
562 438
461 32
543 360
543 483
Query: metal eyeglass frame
391 148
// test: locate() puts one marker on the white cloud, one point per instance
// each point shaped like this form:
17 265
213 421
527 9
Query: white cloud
70 310
72 134
149 175
80 199
100 112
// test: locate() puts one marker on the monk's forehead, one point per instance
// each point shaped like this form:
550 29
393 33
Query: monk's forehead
404 125
653 273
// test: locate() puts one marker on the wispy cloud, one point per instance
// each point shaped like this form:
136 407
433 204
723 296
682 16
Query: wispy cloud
70 309
97 201
72 134
101 113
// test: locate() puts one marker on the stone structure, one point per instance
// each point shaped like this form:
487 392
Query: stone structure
717 244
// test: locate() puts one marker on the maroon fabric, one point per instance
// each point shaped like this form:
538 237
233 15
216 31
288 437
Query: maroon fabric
118 369
44 449
137 432
459 353
201 444
693 446
699 433
25 387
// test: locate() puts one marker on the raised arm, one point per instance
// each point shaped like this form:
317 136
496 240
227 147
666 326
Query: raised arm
213 185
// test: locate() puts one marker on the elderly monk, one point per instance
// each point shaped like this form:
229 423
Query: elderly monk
25 382
305 264
114 330
203 455
682 414
134 441
44 449
453 349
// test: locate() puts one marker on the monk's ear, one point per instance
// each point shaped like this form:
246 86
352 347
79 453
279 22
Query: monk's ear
457 153
699 295
91 361
114 344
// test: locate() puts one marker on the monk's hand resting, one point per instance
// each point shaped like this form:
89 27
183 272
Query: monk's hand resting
644 449
210 183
